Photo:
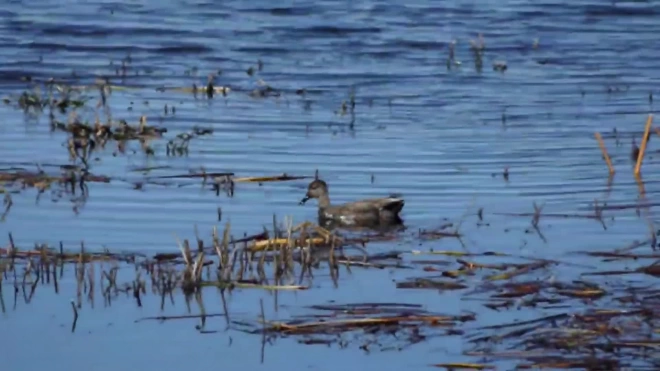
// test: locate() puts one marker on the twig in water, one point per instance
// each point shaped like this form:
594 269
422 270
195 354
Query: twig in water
7 202
187 316
263 331
75 316
535 221
598 214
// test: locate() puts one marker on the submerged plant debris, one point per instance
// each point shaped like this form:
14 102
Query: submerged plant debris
584 323
382 326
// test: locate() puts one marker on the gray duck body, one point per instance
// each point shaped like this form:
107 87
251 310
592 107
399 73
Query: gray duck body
368 212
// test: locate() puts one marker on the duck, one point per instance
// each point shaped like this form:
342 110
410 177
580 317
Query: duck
367 212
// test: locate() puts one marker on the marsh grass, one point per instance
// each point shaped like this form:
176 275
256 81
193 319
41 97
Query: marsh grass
614 319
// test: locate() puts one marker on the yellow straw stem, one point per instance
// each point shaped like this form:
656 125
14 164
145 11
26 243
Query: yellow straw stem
606 156
642 148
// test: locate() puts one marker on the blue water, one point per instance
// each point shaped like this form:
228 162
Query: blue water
435 135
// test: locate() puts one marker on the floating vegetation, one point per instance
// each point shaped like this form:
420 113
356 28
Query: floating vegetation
500 66
224 90
263 179
478 49
33 102
222 262
68 106
612 318
70 182
264 90
589 339
403 324
305 244
84 138
179 145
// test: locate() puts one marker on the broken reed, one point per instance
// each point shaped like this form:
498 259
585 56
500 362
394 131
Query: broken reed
242 263
606 156
642 149
639 155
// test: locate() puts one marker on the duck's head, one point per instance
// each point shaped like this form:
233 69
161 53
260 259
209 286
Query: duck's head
315 189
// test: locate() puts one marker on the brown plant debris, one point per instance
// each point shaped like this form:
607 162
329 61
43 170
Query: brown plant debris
403 324
464 366
590 339
70 182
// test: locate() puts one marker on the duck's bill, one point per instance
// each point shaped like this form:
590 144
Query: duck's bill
302 202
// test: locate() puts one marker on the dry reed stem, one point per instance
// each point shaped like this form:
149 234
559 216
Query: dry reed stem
642 148
518 271
216 89
464 366
453 253
186 257
262 245
606 156
216 243
165 278
358 322
320 230
224 248
246 285
261 179
197 267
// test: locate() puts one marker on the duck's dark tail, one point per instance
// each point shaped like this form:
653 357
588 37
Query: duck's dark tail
394 205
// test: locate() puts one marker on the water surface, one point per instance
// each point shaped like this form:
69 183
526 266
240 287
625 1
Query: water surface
434 134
